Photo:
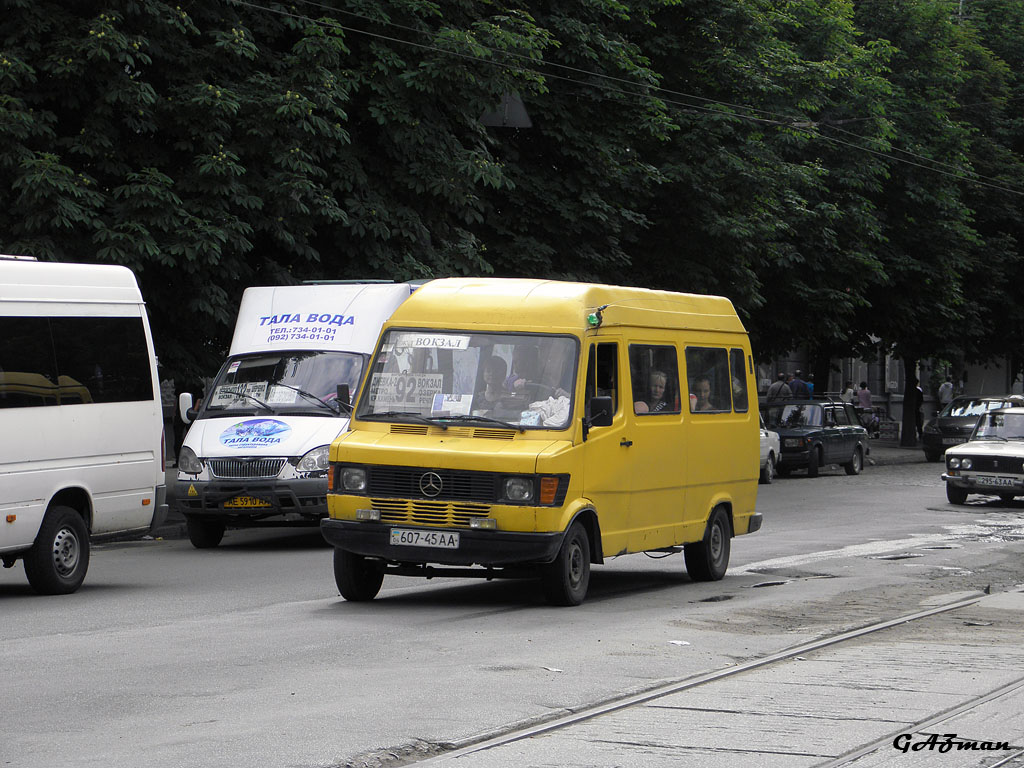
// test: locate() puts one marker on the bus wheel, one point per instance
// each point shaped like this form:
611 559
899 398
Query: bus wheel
204 534
708 559
57 562
566 579
358 579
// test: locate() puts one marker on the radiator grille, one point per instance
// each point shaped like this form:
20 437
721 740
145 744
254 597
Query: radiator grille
999 464
237 469
404 483
437 513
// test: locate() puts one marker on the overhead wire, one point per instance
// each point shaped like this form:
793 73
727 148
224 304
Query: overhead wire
722 108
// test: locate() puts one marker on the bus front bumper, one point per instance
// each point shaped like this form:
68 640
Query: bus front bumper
476 547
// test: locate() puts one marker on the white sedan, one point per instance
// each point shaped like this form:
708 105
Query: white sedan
992 461
769 453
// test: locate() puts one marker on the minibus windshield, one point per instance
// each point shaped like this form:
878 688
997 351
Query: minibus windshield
519 380
300 383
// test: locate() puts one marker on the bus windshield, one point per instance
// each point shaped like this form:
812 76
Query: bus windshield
295 383
519 380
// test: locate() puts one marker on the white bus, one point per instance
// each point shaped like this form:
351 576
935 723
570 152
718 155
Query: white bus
81 427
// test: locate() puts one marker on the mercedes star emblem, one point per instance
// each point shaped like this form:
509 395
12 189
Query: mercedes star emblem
430 484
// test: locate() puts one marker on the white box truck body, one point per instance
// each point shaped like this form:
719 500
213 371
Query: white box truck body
256 451
81 422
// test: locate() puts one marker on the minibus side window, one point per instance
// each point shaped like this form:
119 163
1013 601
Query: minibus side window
739 381
707 373
655 379
602 374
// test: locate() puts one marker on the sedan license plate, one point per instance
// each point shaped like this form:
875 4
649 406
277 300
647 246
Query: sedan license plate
987 480
952 440
439 539
245 502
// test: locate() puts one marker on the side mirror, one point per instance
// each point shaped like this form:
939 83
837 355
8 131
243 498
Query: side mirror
344 399
185 409
601 412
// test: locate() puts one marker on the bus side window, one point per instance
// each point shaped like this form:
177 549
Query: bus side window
602 374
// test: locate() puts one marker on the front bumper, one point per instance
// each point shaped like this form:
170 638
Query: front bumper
983 482
476 547
295 500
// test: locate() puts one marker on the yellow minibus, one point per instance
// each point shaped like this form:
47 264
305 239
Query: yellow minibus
517 427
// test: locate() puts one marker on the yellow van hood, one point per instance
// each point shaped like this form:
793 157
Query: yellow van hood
444 451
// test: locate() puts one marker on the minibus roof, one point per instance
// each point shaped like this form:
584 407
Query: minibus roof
26 280
550 305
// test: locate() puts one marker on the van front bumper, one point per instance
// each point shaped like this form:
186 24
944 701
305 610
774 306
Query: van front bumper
287 501
476 547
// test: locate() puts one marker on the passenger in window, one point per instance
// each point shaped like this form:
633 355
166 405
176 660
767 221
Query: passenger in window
700 395
657 400
493 391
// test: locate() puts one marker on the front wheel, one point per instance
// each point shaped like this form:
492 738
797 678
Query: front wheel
204 534
856 462
955 494
57 562
813 462
358 578
566 579
932 456
708 559
768 470
1006 498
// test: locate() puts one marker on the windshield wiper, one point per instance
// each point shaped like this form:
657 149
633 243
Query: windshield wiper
484 419
256 400
311 397
407 415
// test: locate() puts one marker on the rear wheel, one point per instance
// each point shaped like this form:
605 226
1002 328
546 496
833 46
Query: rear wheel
204 534
813 462
956 495
57 562
856 462
768 470
565 580
358 578
708 559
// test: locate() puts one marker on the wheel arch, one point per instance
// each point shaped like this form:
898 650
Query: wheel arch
76 498
587 517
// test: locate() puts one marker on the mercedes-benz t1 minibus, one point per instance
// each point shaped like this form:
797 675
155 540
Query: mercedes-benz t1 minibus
512 428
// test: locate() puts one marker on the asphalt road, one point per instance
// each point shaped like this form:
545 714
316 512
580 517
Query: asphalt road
246 655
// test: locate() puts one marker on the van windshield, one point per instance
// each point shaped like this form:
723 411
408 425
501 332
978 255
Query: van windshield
520 380
300 383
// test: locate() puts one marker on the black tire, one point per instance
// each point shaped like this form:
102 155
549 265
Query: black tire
856 462
783 471
768 470
58 560
932 456
813 462
708 559
955 495
1006 498
358 578
204 534
565 580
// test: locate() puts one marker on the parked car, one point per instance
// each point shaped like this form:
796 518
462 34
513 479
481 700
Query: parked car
769 453
816 433
991 461
953 425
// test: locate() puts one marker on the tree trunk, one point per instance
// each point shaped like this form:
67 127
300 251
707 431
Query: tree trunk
911 403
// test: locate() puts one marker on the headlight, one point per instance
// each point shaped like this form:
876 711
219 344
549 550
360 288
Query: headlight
353 479
954 462
519 489
793 442
315 460
188 462
966 464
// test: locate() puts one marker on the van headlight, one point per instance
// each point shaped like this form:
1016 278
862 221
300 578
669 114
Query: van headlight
353 479
188 462
314 461
519 489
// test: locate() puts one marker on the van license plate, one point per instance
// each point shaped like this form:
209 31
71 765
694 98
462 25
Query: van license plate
245 502
439 539
986 480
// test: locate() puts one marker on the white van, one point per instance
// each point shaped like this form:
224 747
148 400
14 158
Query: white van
256 453
81 425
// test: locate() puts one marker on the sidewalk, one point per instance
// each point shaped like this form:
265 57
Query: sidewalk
885 451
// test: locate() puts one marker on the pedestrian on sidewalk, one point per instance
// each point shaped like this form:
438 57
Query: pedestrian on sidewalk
779 389
799 387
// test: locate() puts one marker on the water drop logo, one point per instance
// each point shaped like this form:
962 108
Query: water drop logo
255 433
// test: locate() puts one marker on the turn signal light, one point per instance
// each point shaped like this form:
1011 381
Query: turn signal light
548 489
